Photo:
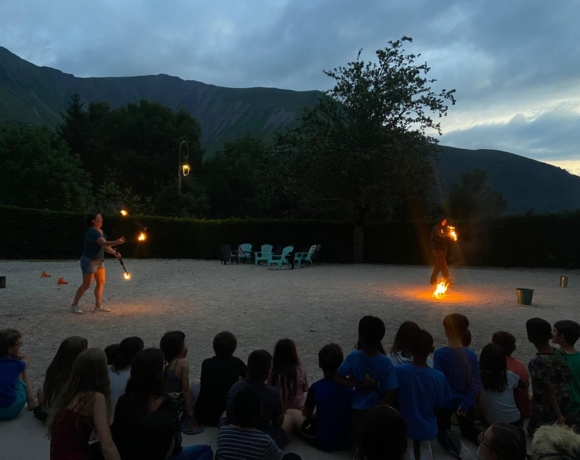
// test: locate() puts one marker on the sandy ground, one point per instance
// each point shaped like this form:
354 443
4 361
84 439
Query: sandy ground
313 306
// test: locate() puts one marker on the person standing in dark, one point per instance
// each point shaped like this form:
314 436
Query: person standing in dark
439 245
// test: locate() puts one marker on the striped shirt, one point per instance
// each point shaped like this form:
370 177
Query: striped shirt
243 444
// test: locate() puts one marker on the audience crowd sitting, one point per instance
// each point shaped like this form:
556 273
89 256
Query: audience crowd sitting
132 403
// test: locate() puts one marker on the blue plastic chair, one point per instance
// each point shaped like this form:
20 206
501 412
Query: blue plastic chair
280 259
306 256
245 252
263 254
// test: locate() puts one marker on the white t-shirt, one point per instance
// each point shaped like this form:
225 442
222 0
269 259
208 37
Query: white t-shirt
501 407
118 384
398 359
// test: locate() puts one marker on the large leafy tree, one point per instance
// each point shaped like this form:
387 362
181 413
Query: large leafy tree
37 171
239 182
134 146
365 147
473 198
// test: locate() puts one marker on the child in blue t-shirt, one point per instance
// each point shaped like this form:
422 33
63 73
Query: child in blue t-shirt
370 373
421 389
15 389
460 366
330 428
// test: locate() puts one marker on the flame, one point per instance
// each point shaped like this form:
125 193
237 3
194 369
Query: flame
142 236
124 212
127 276
441 289
452 233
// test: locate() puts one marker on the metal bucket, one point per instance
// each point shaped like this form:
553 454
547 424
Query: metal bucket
525 296
2 282
563 281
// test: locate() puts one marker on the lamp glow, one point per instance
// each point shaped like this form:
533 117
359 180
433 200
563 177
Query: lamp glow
124 213
185 169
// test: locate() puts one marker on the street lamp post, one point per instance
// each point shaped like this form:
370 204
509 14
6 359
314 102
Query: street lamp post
183 169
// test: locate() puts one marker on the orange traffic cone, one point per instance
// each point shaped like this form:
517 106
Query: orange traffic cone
44 275
61 281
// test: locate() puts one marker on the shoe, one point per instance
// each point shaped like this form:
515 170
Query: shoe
101 309
76 309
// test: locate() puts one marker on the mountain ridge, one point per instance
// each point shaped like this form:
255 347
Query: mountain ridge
38 95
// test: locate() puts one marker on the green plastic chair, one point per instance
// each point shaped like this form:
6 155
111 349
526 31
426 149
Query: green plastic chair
306 256
263 254
245 252
280 259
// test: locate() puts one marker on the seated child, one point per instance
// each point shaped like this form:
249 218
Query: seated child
15 387
550 378
272 420
288 375
80 408
370 373
242 440
460 366
421 390
218 374
329 429
566 334
120 368
508 342
497 387
58 373
177 380
400 351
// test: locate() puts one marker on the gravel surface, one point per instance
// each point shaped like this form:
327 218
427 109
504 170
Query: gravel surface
313 305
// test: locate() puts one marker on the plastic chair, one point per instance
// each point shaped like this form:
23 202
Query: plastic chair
280 259
227 254
263 254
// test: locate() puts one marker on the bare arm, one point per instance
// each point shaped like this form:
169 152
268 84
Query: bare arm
390 398
554 402
350 382
101 421
187 396
109 244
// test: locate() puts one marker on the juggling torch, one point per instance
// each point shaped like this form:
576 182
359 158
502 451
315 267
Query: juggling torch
127 275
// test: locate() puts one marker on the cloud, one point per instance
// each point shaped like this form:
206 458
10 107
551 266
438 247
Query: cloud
552 136
504 58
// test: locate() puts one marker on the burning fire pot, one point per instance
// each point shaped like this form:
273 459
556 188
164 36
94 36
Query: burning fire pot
525 296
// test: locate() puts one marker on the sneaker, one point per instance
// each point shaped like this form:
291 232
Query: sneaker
101 309
76 309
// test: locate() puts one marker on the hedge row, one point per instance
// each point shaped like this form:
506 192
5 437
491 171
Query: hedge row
513 241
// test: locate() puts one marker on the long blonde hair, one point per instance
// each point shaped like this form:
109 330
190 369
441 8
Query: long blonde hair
89 376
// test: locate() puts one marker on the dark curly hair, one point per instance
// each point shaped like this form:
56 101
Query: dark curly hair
493 368
330 357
